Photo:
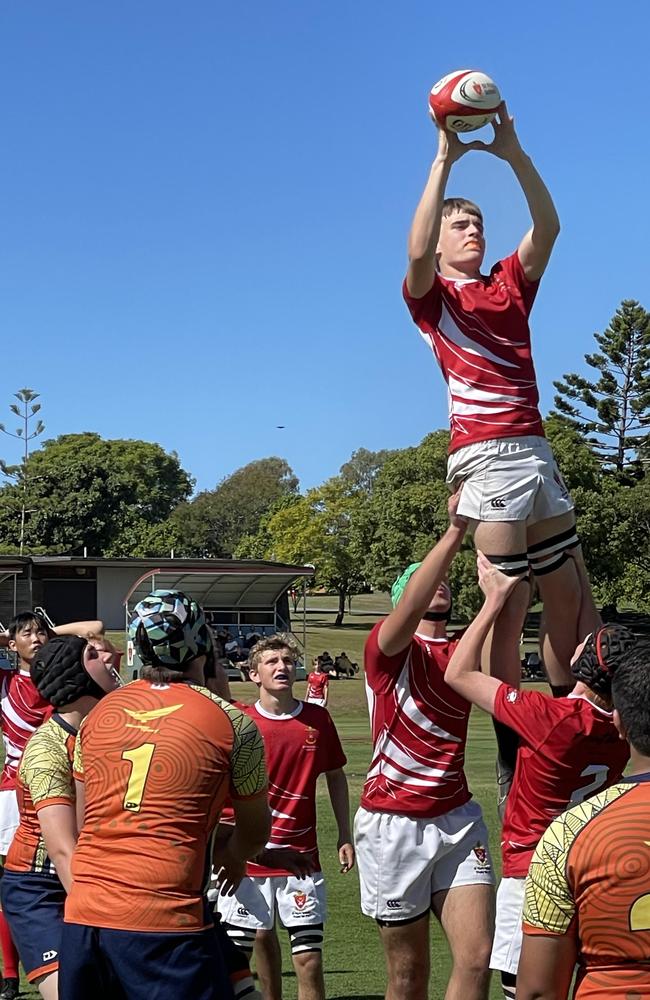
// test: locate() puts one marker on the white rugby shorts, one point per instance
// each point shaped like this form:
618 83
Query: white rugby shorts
297 901
509 479
508 934
9 819
404 860
316 701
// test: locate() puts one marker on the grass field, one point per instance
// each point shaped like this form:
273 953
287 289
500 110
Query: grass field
353 960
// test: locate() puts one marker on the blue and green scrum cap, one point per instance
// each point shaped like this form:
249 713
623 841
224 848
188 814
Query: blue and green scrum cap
169 629
397 589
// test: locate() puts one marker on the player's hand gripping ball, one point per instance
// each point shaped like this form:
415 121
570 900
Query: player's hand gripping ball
464 100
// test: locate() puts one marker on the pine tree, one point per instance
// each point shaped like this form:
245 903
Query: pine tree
619 398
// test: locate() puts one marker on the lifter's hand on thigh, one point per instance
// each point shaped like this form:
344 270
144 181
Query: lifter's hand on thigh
496 586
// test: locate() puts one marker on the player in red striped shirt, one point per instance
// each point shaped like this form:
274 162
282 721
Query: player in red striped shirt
477 326
301 743
421 841
569 748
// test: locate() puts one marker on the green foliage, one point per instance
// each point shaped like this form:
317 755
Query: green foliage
360 472
408 514
84 491
324 528
215 521
612 408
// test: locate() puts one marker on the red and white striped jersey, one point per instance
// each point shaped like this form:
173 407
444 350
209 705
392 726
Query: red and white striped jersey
23 711
419 730
299 747
478 330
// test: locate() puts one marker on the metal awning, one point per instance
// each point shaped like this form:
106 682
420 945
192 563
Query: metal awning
217 587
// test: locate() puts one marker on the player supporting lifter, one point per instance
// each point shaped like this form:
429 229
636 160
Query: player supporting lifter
588 889
569 748
154 763
71 674
421 841
286 878
477 326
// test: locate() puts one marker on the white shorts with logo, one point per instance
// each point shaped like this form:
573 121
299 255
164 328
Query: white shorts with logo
508 934
316 701
298 902
509 479
9 819
404 860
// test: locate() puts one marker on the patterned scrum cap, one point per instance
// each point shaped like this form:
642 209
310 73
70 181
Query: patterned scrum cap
169 629
601 656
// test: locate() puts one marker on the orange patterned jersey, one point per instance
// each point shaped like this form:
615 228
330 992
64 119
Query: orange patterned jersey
44 779
590 877
157 762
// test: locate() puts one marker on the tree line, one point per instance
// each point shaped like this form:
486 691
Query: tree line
361 527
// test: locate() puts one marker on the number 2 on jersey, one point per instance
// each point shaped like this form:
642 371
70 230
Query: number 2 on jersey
140 760
600 772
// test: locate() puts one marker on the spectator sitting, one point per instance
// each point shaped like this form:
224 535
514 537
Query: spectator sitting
326 661
251 639
344 665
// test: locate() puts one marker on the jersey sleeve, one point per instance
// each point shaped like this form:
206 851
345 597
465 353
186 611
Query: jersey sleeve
531 714
77 760
549 906
248 767
333 753
512 272
549 900
381 671
45 772
427 309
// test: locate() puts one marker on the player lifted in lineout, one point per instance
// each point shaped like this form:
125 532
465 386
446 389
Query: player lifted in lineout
477 326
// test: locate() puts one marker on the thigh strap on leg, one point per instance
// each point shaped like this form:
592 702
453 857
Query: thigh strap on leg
242 937
306 938
549 554
510 565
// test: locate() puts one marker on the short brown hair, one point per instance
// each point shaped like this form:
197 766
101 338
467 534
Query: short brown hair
161 675
451 205
281 640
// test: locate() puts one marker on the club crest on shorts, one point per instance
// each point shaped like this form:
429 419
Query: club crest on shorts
512 696
300 900
482 860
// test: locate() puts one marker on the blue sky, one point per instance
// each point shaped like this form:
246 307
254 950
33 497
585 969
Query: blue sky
204 209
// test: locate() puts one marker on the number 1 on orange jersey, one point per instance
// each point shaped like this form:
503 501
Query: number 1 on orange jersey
140 760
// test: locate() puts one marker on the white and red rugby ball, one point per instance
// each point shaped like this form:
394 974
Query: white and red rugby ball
464 100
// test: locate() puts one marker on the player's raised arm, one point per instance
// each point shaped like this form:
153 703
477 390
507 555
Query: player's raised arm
83 629
536 246
397 630
425 228
463 673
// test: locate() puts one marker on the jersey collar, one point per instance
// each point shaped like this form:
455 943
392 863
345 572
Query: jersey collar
64 725
279 718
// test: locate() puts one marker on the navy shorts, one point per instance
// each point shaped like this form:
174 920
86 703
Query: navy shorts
33 905
136 965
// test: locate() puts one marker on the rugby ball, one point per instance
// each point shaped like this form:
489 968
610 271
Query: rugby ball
464 100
